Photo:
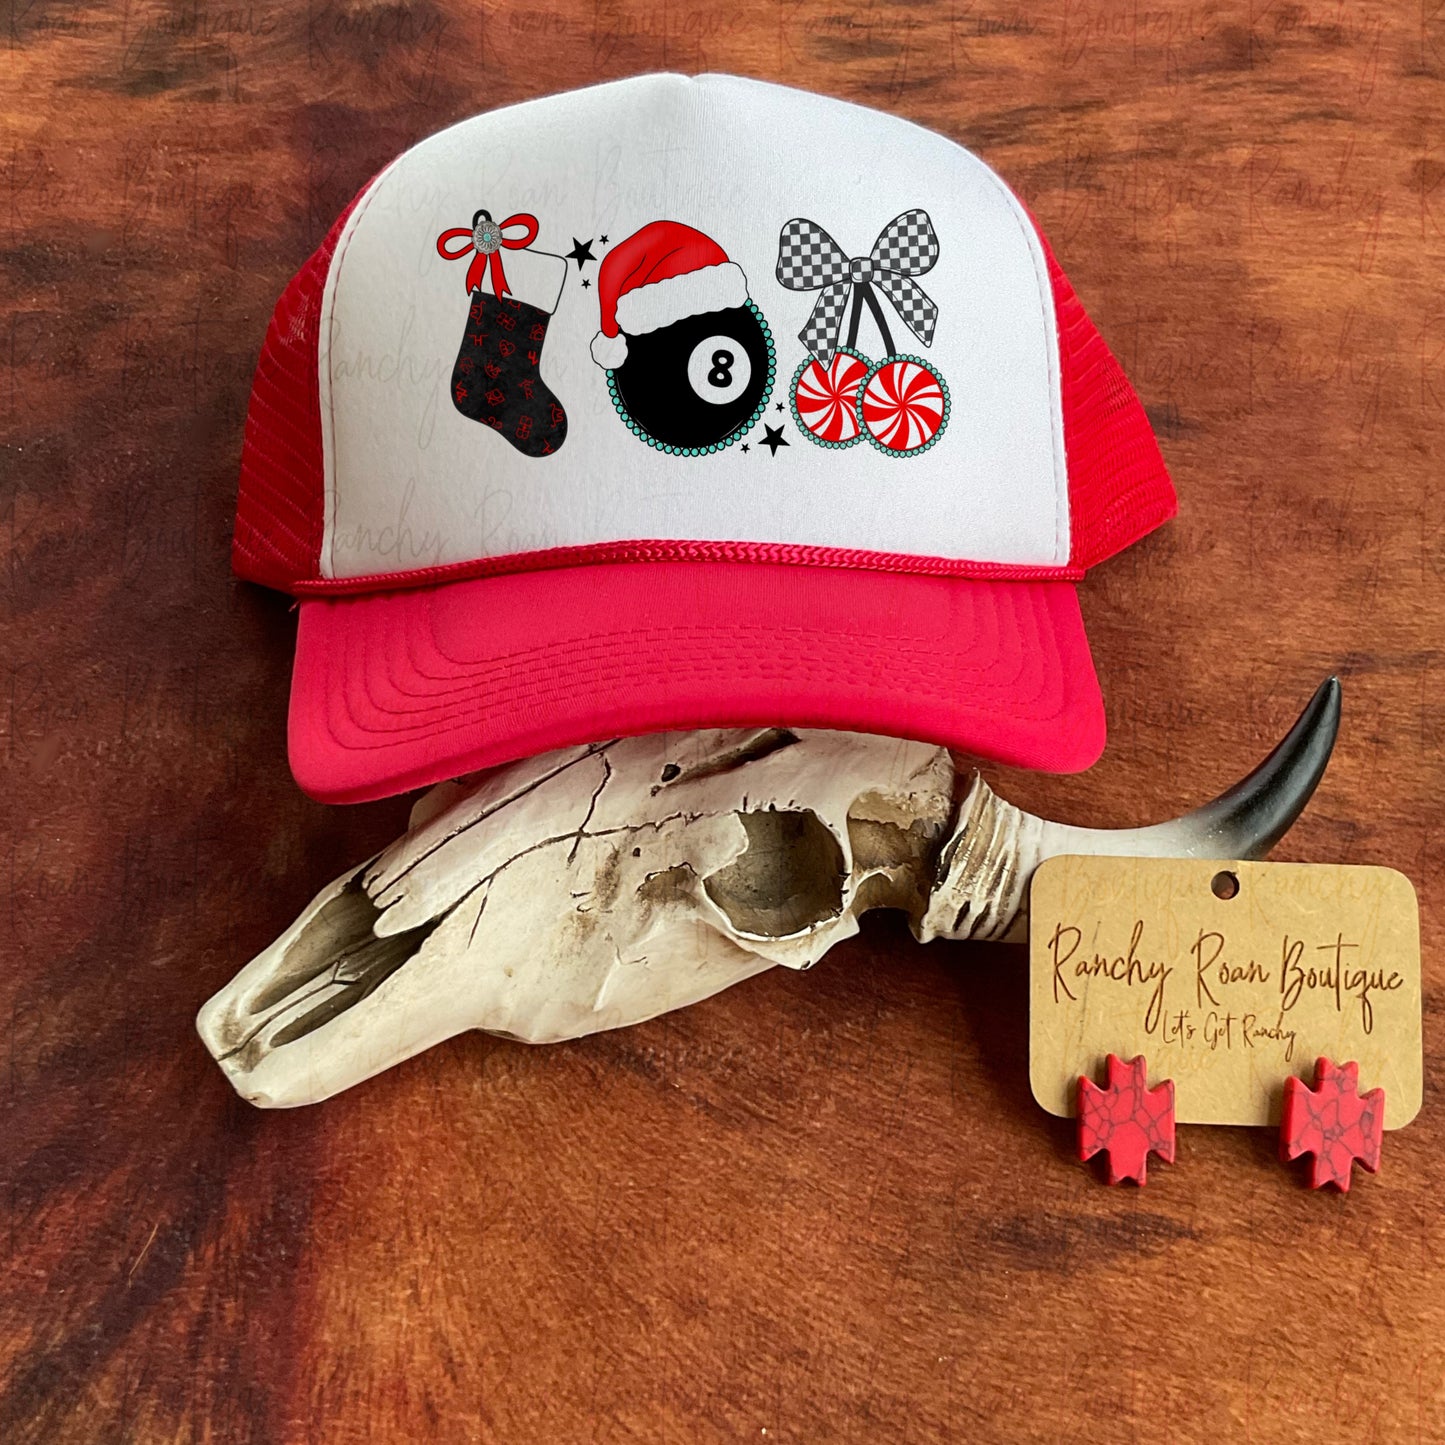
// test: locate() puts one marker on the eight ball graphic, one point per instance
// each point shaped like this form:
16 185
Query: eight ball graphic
699 383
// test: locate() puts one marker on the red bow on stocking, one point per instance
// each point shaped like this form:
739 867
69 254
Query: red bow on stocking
487 239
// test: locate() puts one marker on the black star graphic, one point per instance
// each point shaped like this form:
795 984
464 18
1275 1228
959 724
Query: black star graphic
774 438
585 283
779 407
603 239
581 252
745 446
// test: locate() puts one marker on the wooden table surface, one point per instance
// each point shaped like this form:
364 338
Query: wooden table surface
820 1207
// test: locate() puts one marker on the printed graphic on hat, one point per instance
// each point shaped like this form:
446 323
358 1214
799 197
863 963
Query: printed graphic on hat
513 292
901 404
688 355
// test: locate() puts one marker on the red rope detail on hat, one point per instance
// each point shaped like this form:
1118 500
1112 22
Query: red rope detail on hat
665 550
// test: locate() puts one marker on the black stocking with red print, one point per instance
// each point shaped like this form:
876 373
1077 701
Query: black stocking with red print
497 380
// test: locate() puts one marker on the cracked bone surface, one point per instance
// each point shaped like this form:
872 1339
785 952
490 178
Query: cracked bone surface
601 886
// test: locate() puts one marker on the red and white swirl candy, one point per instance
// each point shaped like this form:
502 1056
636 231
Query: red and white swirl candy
827 400
903 405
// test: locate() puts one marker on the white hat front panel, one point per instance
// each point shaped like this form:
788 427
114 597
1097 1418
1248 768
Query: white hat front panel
460 425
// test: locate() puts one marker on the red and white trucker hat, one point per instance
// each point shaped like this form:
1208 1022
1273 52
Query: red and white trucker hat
680 403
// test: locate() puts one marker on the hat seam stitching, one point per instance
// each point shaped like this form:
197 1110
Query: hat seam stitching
338 261
1046 311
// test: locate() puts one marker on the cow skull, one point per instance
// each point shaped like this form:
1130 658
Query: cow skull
600 886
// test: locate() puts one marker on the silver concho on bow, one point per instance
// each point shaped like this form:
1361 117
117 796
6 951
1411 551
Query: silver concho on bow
809 259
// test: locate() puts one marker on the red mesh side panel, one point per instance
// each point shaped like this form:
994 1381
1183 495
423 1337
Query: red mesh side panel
1119 489
279 508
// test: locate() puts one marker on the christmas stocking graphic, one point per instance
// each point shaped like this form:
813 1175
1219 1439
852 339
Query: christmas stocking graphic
512 292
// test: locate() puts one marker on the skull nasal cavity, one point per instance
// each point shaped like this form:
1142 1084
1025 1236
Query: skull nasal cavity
790 878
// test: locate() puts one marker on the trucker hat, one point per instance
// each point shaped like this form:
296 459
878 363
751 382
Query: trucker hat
685 402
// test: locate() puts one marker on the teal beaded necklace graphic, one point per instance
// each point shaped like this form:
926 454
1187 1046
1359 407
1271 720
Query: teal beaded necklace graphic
689 358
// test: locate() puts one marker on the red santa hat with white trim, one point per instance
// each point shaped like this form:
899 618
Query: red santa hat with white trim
663 273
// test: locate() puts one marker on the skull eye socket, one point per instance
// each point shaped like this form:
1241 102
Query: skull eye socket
790 878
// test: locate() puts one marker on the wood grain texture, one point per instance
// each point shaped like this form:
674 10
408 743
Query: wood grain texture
818 1208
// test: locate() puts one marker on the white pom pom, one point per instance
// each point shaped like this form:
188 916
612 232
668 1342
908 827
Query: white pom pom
609 351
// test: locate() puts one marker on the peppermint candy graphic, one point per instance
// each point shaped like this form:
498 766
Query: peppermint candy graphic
825 398
903 406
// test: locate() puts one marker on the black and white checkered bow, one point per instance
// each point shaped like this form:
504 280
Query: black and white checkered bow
809 259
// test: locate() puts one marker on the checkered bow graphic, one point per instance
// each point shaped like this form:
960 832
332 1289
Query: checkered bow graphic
809 259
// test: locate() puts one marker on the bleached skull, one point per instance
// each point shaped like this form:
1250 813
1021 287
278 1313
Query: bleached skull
597 887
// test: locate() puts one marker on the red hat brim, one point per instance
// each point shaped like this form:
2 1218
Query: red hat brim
398 690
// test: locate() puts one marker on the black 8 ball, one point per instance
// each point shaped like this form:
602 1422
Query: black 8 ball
698 381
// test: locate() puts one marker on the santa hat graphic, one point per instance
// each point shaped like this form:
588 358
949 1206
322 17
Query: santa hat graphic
661 274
